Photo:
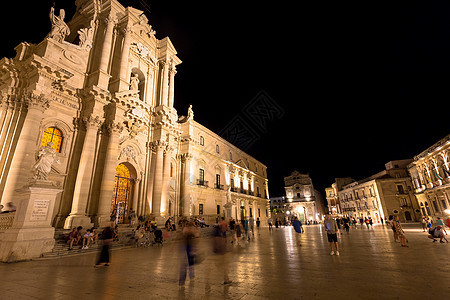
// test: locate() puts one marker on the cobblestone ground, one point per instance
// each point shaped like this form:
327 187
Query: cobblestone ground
370 266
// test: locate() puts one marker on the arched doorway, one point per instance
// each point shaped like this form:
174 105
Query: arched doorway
123 184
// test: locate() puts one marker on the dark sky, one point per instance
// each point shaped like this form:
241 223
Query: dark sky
359 83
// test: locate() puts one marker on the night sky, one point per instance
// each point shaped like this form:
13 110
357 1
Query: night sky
357 84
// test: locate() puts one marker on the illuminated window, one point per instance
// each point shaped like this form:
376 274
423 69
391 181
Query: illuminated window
54 135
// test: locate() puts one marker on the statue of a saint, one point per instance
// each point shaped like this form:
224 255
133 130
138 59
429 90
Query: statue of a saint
134 83
190 114
86 36
59 29
45 160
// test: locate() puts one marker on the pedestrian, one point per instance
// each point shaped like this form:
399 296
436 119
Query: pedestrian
232 225
332 231
382 221
366 221
424 224
238 232
245 226
258 223
437 233
370 222
251 225
298 228
277 223
269 221
346 225
107 238
187 253
440 222
220 248
361 221
400 233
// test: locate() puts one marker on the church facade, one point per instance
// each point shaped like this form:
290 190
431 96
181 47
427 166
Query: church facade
90 109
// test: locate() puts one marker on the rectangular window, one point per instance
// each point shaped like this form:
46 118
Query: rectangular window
200 209
436 208
400 189
259 213
218 180
444 205
218 209
251 213
201 175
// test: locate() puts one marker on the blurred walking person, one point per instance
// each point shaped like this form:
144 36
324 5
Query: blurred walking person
269 221
399 230
298 228
187 253
107 239
220 248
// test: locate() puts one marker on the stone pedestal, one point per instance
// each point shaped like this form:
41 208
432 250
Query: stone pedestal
31 233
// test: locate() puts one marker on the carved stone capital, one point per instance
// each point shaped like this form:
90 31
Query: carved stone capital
184 157
36 102
114 127
92 122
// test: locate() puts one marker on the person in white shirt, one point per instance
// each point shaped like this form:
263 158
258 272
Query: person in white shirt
87 239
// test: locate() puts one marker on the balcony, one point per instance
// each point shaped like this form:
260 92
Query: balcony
218 186
202 182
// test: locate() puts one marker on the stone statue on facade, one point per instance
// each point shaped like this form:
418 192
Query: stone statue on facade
46 158
59 29
190 114
134 83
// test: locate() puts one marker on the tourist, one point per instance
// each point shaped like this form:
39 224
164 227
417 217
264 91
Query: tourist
220 248
223 227
245 226
116 233
251 223
107 238
94 235
332 231
232 225
370 222
113 215
269 221
238 232
187 258
400 233
346 225
258 223
298 228
277 223
437 233
424 224
73 237
440 222
87 237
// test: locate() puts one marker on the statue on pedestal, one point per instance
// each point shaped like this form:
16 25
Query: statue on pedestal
134 83
59 29
46 158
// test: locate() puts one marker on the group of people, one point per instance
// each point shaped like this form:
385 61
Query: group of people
77 238
436 229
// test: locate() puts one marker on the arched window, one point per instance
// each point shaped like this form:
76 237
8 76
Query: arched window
54 135
217 149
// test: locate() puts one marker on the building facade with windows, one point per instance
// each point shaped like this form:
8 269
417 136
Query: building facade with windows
430 174
89 111
382 195
302 200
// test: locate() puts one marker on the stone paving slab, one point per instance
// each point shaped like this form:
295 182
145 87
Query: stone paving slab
271 266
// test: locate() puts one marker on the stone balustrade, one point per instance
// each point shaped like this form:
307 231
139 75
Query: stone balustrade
6 220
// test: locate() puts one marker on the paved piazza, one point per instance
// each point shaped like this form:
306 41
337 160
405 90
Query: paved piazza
371 266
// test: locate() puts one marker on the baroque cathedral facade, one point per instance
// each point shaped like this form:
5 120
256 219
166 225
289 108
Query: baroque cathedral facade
90 109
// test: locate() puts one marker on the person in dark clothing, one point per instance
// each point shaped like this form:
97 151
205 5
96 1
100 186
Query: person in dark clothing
107 238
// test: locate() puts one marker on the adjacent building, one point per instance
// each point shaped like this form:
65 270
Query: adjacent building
383 195
302 200
430 174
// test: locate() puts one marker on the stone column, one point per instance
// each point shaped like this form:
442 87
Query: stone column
103 79
84 175
123 74
135 204
172 85
158 179
165 85
20 171
109 172
150 177
165 181
185 188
